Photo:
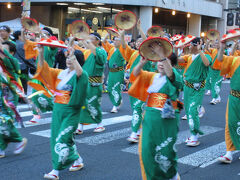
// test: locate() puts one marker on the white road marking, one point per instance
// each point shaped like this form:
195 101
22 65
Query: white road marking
182 136
106 137
105 122
205 157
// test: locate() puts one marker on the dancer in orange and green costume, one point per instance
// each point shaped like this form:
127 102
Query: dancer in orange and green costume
157 151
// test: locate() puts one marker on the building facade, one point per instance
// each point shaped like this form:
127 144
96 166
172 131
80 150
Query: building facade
175 16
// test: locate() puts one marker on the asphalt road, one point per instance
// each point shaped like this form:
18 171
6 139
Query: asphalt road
108 156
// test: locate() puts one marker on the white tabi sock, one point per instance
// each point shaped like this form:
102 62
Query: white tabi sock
229 154
99 125
194 137
78 161
80 127
55 172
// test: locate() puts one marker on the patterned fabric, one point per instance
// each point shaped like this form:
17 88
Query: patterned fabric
195 86
121 68
235 93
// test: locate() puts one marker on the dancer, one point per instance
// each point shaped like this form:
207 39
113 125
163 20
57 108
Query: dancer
95 59
231 66
116 70
9 83
70 87
159 132
214 78
194 78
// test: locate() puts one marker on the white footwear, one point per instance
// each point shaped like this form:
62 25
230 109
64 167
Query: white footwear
187 140
99 129
114 109
133 138
201 112
208 93
213 101
184 117
20 146
34 120
218 100
225 159
79 130
193 143
77 165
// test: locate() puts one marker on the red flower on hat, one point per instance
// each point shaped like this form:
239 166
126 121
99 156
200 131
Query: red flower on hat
49 40
61 42
183 40
177 42
224 35
42 39
53 38
190 36
232 31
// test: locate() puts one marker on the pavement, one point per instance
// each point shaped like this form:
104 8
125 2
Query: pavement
109 156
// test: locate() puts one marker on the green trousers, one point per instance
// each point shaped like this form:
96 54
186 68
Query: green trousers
8 132
214 82
91 112
157 147
137 108
64 123
233 115
115 85
192 102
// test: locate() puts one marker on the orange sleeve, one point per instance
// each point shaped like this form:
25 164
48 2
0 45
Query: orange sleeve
122 51
47 75
107 46
128 52
76 47
226 64
30 48
185 57
140 85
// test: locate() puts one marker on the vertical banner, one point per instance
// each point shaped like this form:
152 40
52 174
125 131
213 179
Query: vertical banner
26 4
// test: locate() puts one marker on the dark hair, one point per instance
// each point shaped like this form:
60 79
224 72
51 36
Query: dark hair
80 57
48 30
16 35
132 40
98 37
196 40
12 47
173 59
5 28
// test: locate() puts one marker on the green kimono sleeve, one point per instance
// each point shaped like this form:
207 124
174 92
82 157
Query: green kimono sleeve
79 92
49 55
178 80
101 56
12 63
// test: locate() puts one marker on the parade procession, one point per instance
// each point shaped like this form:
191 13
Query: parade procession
118 92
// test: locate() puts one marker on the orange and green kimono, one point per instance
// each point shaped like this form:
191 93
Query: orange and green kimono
70 94
94 66
231 66
9 94
133 58
116 63
157 149
194 77
43 101
214 79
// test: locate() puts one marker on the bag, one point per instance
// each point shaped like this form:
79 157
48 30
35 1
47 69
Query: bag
168 111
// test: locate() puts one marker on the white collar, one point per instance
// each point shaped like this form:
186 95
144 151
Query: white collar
65 76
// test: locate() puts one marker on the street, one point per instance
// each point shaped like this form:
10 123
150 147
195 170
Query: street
109 156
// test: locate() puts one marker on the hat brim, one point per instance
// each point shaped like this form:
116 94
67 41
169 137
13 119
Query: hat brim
231 38
30 24
125 20
145 50
155 31
213 36
113 32
55 45
79 29
188 40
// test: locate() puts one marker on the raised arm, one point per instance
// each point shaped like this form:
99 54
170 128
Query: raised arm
221 51
139 28
138 68
123 42
235 44
203 57
77 66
